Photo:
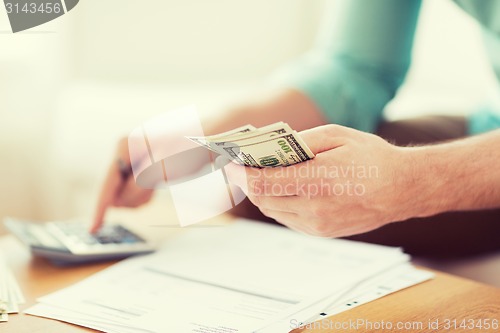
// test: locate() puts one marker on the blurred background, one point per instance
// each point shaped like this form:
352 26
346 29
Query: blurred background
71 88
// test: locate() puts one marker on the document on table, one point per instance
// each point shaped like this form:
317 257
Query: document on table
10 293
246 277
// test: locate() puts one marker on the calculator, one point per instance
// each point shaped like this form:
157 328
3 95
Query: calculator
70 242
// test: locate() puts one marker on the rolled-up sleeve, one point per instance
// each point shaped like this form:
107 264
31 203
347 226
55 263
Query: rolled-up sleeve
360 58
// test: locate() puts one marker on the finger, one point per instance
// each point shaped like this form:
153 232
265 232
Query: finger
235 174
109 189
323 138
114 180
280 181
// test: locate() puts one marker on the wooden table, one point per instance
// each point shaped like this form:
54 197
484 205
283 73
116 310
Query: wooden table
444 298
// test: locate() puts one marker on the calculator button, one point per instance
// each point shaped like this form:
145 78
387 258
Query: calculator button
104 240
76 236
130 240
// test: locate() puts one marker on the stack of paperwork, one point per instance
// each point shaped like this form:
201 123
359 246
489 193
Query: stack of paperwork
245 277
10 293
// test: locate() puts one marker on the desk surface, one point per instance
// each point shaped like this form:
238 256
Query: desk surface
444 298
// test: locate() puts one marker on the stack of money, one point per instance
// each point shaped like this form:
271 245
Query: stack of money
269 146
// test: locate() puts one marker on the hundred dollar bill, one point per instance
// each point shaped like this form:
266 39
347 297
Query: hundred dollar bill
205 140
257 135
269 146
247 132
283 150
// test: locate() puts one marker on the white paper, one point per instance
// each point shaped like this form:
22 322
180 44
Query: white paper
246 277
10 293
395 279
272 260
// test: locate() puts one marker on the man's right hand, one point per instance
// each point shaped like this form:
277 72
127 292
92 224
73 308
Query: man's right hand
119 188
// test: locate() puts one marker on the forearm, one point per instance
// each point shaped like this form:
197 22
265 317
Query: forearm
460 175
289 106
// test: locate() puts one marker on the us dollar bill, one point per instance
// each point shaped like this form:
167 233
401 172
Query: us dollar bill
269 146
206 140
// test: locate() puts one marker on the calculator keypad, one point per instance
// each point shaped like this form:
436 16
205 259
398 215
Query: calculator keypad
78 234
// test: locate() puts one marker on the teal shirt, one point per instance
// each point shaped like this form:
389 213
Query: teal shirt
363 53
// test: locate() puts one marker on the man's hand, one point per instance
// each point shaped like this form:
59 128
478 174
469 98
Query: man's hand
119 189
281 105
356 183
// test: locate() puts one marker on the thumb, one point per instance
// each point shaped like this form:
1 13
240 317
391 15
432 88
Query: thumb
323 138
